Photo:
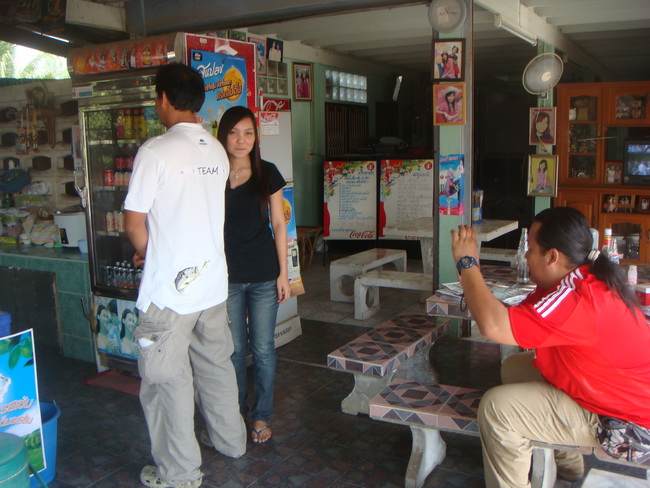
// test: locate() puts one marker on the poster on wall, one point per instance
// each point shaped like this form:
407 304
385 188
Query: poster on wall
350 196
293 258
20 412
451 186
225 80
114 321
230 47
405 191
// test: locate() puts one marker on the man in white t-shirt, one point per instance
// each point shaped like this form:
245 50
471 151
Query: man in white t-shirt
174 218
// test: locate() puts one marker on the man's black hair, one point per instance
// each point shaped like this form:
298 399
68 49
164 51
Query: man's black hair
183 86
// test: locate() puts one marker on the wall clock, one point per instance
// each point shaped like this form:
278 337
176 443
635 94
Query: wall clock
447 15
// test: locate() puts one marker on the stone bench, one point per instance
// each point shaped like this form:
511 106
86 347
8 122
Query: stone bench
430 408
398 348
366 288
344 271
500 255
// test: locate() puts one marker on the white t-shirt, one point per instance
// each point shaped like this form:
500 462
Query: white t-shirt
179 180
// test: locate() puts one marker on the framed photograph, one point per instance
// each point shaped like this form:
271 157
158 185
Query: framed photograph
448 104
237 35
610 203
542 126
448 60
614 173
625 201
274 49
644 204
302 82
260 44
542 175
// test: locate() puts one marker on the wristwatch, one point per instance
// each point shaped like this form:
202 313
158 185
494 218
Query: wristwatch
465 262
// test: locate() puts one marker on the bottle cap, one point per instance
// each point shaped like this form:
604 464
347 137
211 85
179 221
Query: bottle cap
608 231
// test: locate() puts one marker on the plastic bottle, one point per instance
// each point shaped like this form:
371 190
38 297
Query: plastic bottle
607 240
632 275
612 251
523 273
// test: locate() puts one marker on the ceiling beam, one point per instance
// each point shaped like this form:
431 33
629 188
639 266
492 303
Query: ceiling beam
518 14
39 42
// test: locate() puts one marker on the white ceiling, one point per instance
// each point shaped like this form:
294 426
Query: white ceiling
610 37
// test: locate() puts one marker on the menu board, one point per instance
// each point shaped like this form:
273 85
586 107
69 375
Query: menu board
405 191
350 200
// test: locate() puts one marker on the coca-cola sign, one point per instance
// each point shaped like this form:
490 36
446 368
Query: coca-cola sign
365 234
276 105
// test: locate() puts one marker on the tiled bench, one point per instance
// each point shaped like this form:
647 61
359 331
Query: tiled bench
366 288
398 348
344 271
430 408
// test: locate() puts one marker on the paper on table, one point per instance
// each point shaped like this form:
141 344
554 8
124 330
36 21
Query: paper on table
506 294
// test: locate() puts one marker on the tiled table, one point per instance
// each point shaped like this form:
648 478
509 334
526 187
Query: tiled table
398 348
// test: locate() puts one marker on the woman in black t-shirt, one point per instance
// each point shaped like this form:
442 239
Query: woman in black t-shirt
258 278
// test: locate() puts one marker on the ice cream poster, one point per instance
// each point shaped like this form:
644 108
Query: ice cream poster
451 185
20 412
224 76
293 257
113 324
405 191
350 200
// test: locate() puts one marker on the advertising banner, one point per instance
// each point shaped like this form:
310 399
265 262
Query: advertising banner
20 412
114 323
225 82
451 186
293 257
350 200
405 191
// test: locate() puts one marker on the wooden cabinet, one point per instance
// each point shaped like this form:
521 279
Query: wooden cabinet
586 201
594 120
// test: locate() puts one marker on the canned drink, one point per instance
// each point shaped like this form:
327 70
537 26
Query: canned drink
109 177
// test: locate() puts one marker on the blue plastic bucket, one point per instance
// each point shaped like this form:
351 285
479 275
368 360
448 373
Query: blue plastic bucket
49 419
5 323
14 465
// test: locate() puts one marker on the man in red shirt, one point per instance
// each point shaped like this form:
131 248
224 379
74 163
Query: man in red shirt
590 344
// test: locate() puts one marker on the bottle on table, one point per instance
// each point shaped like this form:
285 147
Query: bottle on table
523 273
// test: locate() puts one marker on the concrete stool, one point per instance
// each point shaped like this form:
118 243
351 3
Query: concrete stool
344 271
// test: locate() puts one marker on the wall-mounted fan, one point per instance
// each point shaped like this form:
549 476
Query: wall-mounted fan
542 73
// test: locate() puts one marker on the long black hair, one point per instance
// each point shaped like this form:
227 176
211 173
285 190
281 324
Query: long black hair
567 230
230 119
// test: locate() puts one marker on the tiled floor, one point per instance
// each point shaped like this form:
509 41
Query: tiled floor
103 441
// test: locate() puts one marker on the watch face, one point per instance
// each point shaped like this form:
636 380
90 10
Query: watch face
447 15
466 262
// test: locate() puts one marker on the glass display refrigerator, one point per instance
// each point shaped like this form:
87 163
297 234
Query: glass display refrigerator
114 86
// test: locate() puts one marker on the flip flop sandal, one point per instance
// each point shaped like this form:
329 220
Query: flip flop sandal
258 432
204 438
149 477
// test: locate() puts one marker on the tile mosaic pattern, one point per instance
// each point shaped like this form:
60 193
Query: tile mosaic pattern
445 407
385 347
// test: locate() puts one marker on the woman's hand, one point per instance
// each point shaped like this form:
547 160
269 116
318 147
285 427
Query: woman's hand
284 288
463 242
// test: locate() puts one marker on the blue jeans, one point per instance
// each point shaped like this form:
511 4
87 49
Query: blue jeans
259 303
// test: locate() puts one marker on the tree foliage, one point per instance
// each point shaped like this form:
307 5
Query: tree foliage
42 66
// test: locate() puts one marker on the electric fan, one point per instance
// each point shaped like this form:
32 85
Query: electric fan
542 73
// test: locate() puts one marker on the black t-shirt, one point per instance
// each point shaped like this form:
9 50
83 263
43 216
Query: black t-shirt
250 249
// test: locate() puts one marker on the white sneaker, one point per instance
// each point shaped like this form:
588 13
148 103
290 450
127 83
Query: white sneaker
149 477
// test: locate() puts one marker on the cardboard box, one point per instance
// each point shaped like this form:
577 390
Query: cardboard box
643 293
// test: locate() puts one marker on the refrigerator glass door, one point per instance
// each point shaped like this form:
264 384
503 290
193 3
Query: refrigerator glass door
112 135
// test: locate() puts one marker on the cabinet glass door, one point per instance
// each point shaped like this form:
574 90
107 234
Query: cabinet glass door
584 132
628 231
